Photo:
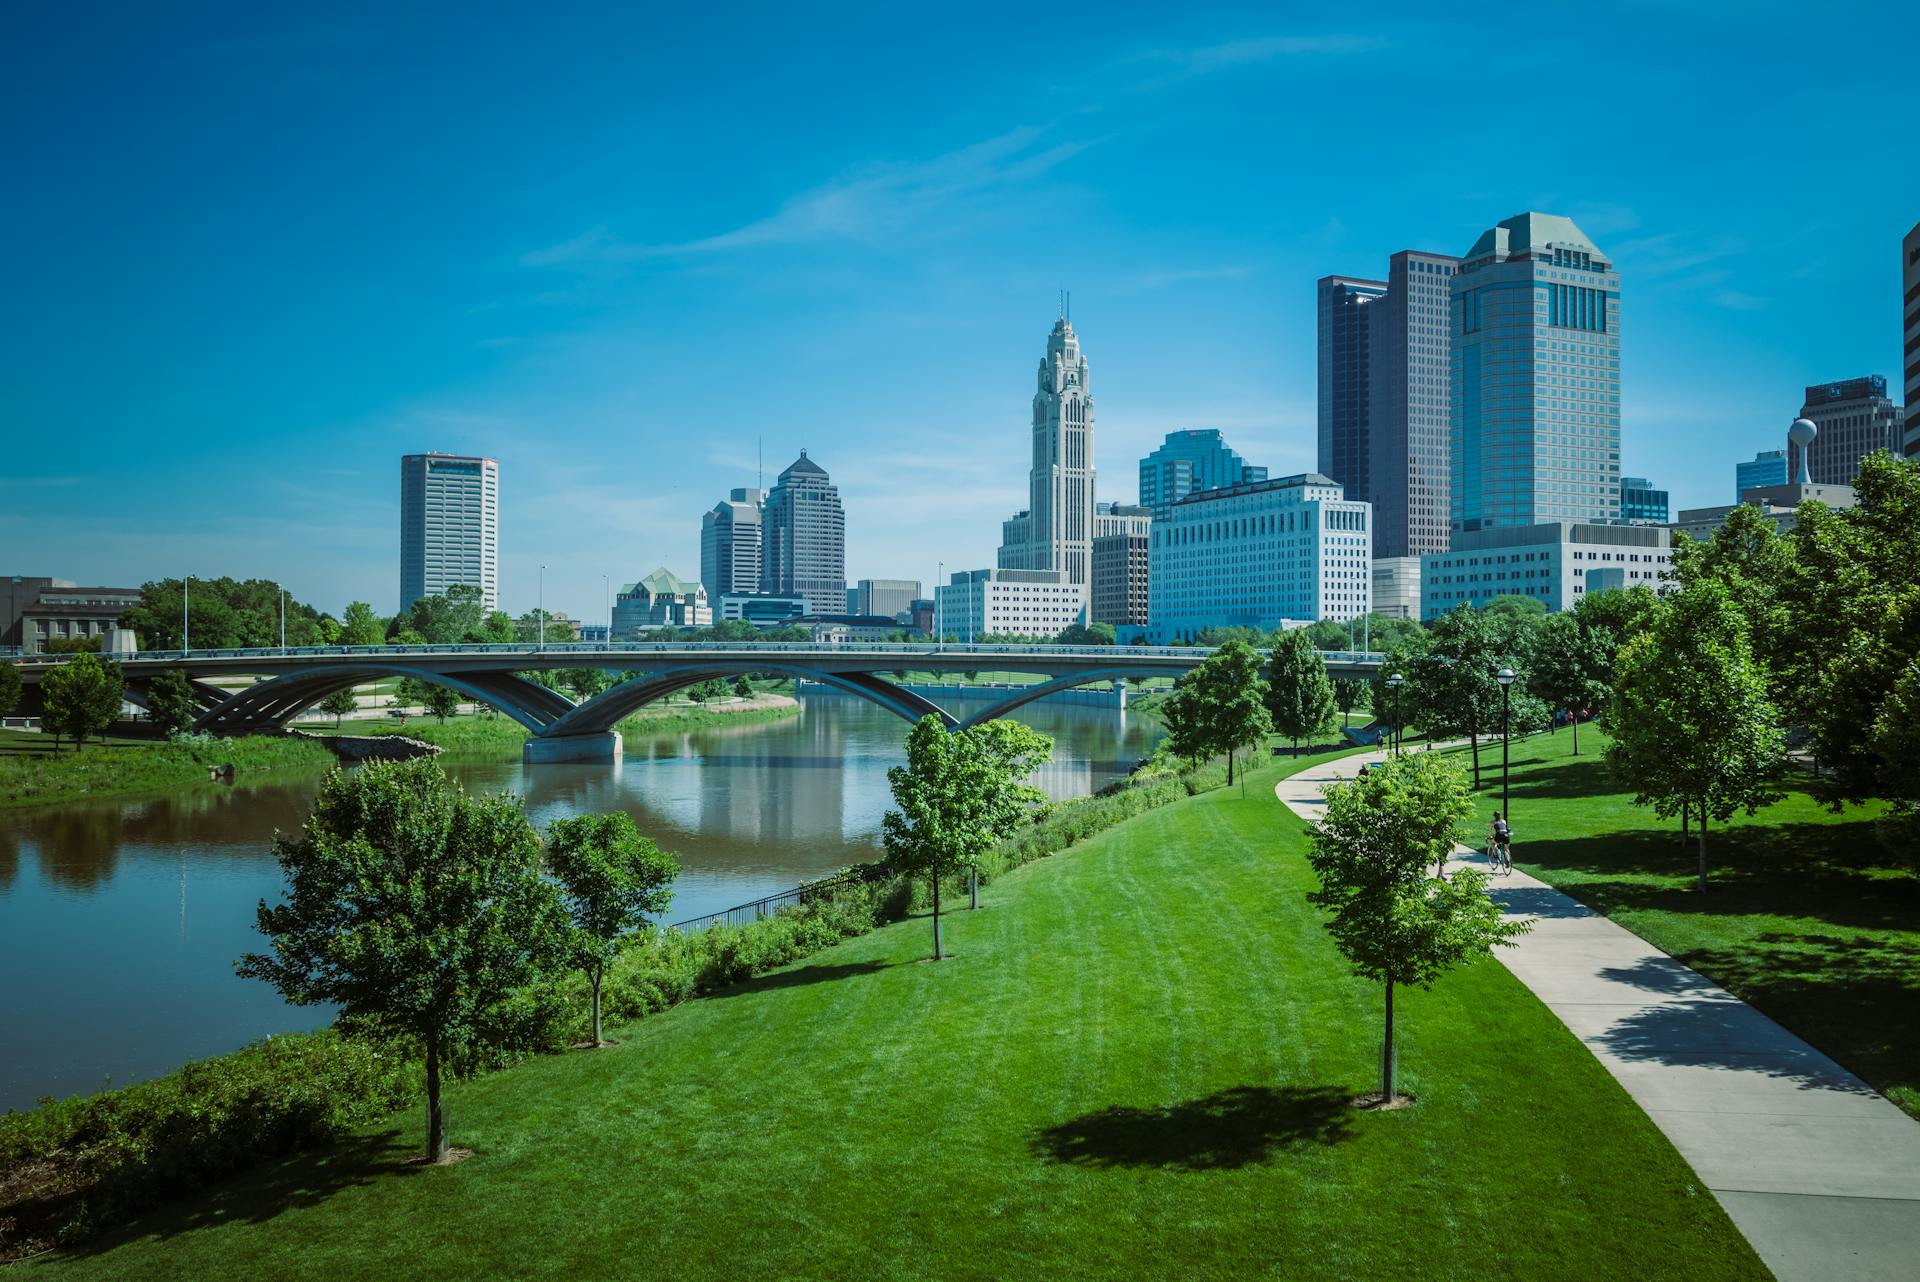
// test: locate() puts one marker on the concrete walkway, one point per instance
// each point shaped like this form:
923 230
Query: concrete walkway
1821 1173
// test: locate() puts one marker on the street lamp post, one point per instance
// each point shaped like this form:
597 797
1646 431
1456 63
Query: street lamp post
1505 678
283 620
606 605
1393 710
186 591
540 607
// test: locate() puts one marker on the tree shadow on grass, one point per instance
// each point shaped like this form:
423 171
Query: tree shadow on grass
799 977
1723 1034
262 1193
1230 1129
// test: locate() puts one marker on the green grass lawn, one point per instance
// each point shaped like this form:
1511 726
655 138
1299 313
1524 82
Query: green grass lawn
32 775
1138 1063
1804 917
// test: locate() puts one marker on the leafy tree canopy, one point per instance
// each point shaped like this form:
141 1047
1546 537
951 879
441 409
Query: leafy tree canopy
82 697
223 613
611 880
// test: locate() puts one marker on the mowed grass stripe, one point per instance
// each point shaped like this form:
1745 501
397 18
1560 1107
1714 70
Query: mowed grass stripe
1037 1106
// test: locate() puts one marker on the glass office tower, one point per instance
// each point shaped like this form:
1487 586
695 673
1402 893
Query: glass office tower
1536 378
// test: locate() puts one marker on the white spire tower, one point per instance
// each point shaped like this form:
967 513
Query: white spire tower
1059 525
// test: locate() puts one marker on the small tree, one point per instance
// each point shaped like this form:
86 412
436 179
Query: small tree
1393 921
611 879
742 688
1348 692
1232 700
81 697
1691 723
1299 695
1180 712
441 701
959 793
9 689
414 908
1568 663
170 702
339 703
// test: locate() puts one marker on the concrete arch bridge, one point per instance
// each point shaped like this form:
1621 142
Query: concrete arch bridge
290 680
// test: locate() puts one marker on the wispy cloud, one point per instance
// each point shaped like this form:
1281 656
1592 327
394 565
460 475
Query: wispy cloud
1166 67
1739 301
1670 253
880 202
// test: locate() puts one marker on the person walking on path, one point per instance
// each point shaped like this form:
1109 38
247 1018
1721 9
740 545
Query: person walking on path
1500 843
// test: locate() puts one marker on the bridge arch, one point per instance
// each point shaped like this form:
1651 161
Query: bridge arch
277 701
605 710
1040 690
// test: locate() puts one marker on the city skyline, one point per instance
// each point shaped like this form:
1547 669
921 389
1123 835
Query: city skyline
883 281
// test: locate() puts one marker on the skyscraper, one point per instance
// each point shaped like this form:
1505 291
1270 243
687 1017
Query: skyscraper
449 525
1189 460
1535 379
1910 353
1409 408
1059 517
1855 418
1343 379
1768 467
730 543
805 538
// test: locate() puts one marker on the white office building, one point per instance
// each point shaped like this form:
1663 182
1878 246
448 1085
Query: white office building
1396 586
449 526
1259 555
1025 603
1556 563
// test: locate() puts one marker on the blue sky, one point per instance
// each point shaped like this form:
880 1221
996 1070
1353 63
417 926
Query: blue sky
261 251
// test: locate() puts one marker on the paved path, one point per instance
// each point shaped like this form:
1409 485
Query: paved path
1821 1173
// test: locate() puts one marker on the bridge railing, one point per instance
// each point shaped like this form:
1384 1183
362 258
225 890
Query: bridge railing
588 649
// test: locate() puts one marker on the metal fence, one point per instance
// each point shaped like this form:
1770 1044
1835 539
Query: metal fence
760 909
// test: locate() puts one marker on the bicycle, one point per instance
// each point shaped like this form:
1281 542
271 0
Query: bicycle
1500 856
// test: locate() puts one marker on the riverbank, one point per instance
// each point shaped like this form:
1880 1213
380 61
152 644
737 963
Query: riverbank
132 766
1140 1059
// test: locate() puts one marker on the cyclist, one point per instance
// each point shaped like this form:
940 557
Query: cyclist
1500 843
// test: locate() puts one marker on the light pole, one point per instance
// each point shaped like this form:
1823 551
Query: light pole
13 610
1505 678
283 620
606 606
939 615
540 607
186 593
1393 710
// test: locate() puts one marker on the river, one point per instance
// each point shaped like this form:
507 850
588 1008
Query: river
120 919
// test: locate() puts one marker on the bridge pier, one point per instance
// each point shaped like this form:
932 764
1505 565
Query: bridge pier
598 747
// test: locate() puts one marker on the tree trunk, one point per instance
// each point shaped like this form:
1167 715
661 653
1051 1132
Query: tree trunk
1703 845
937 954
1386 1052
436 1111
973 888
1473 737
598 971
1686 812
1576 734
1229 767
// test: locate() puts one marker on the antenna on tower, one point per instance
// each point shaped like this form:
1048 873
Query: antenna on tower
1063 304
759 463
1066 307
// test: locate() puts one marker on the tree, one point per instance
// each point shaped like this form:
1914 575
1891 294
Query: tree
1348 692
81 697
1180 711
1616 615
1453 684
444 618
611 880
170 702
500 630
742 688
1393 921
361 626
415 908
1299 696
959 793
584 682
1691 722
528 628
441 701
223 613
1568 662
339 703
9 688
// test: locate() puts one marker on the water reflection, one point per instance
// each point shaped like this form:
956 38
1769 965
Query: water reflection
120 919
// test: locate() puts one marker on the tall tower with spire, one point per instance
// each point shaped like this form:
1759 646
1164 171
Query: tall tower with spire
1056 530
